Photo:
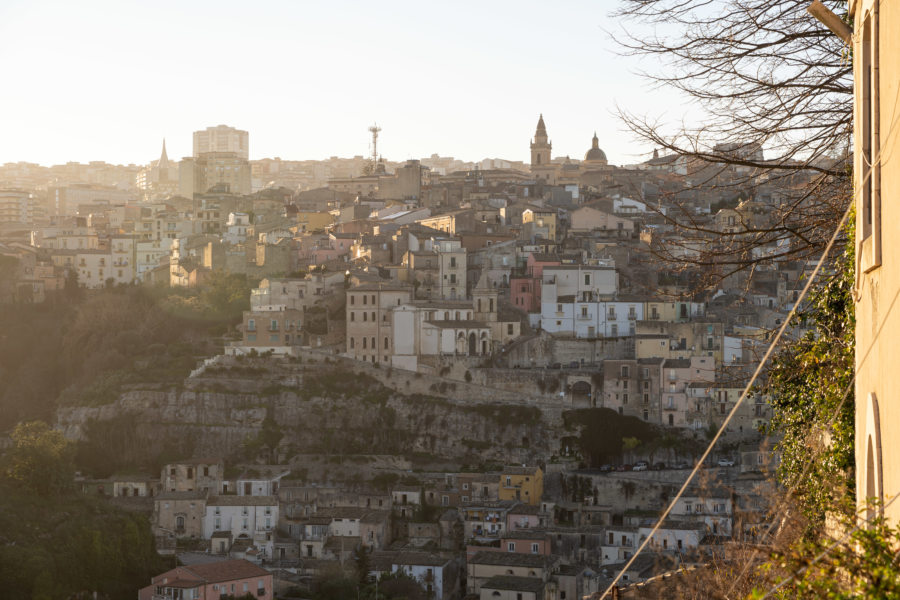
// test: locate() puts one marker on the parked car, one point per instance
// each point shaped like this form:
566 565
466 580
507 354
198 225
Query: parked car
726 462
607 468
659 466
574 364
621 468
681 466
555 366
640 465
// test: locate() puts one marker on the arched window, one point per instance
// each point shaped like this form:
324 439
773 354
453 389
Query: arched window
872 478
364 343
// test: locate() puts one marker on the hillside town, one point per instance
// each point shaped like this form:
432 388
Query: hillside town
543 282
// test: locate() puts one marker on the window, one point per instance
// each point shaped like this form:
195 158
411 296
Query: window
352 316
352 343
870 215
352 299
452 264
509 329
534 548
365 299
587 279
511 547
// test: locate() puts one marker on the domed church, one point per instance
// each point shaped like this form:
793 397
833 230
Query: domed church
556 173
595 156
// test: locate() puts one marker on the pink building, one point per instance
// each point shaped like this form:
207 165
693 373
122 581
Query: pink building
524 516
525 289
210 581
526 542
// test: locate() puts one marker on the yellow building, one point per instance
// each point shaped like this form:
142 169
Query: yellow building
313 221
522 483
541 218
876 66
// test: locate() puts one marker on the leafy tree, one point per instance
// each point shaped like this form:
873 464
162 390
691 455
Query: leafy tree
228 294
860 564
603 431
41 459
266 440
363 565
810 383
56 548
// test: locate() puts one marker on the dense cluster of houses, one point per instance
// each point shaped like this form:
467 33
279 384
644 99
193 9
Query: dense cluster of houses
463 534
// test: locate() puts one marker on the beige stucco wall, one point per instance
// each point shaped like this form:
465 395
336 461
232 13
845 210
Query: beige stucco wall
877 286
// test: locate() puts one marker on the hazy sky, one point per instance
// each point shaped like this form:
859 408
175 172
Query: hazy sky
97 80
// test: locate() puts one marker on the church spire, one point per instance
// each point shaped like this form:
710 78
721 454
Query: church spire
595 143
541 128
163 158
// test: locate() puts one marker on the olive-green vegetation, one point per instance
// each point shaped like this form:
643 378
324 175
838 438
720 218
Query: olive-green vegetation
81 347
54 547
40 460
811 386
55 543
118 445
861 564
338 585
811 382
602 433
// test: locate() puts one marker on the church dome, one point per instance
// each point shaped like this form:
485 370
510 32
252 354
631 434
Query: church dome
595 154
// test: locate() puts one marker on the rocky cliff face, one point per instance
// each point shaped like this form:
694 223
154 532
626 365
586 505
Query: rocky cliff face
328 409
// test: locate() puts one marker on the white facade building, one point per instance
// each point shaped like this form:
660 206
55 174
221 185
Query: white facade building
253 517
236 228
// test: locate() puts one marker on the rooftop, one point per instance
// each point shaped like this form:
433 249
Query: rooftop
516 584
227 570
508 559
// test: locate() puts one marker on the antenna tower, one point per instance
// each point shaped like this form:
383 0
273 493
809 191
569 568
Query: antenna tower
375 129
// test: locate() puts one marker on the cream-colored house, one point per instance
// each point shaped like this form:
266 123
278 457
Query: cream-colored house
876 66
